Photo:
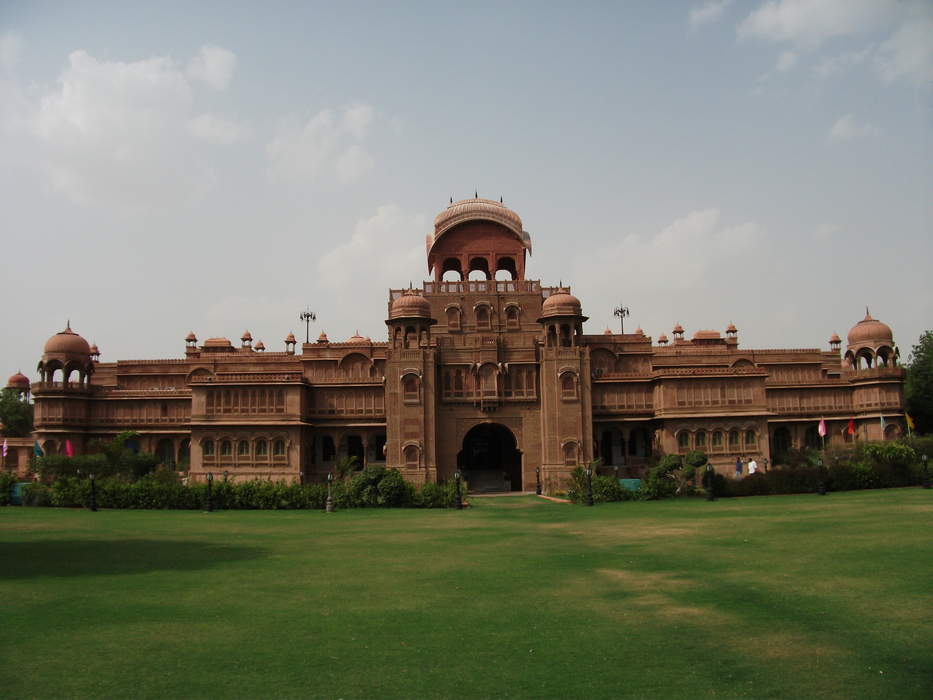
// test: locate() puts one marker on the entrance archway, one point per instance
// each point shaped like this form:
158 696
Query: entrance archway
490 460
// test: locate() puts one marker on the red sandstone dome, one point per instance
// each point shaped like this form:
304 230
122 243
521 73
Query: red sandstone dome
410 305
357 339
68 342
870 330
18 381
678 329
607 332
639 331
246 336
290 338
260 345
322 338
834 338
731 328
561 303
472 209
662 338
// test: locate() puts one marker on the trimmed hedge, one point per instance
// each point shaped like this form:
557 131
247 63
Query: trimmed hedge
372 487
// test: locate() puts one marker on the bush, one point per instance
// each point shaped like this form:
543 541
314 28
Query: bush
605 488
36 495
7 480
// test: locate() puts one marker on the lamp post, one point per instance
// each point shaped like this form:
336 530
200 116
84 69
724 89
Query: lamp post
458 498
589 485
821 483
766 463
93 494
538 481
925 472
226 473
621 312
210 485
710 496
329 504
307 316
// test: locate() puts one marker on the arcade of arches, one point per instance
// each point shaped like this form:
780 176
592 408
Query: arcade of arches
480 369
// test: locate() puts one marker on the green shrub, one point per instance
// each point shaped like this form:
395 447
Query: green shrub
7 480
605 488
37 495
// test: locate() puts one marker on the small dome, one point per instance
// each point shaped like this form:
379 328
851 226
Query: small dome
246 336
639 331
67 342
410 305
357 339
290 338
678 329
217 343
607 331
260 346
18 381
870 330
731 328
95 351
834 338
322 338
662 339
191 337
561 303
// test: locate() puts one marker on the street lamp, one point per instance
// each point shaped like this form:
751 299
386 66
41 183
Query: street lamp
621 312
226 473
926 472
821 483
766 463
329 504
458 499
589 485
93 494
538 481
710 496
307 316
210 484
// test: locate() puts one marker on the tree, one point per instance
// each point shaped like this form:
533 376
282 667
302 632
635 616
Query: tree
15 414
918 390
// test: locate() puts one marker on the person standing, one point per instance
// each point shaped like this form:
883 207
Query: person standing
752 466
738 467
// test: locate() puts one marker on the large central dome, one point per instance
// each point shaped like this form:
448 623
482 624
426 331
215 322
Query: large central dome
477 208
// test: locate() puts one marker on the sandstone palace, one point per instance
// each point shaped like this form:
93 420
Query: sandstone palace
492 376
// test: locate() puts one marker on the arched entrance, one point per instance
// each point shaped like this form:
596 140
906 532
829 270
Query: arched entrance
490 460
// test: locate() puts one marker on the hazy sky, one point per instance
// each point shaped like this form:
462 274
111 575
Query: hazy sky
176 166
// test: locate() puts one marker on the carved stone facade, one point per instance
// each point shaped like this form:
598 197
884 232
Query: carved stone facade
491 376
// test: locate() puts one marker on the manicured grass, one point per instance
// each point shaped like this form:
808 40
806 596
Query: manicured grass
780 597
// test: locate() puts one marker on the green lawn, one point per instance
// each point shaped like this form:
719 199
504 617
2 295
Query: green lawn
779 597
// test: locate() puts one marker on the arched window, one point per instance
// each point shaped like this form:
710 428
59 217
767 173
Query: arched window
751 438
570 454
242 448
278 448
453 318
700 440
411 456
717 440
207 447
683 441
568 386
734 439
262 448
482 318
511 318
410 388
226 448
328 451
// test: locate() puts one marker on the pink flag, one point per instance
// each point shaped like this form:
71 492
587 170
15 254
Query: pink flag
4 447
822 429
69 450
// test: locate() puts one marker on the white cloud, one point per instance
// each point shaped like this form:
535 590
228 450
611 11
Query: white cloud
843 62
213 66
786 61
119 133
908 54
680 255
808 23
11 47
216 130
848 128
328 144
385 250
708 13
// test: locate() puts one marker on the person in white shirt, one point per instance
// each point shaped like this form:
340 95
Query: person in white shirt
752 466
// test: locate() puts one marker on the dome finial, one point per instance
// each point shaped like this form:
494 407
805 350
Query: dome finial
451 199
500 200
475 194
867 313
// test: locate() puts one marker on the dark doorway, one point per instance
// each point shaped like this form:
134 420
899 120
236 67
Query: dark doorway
355 449
780 445
489 459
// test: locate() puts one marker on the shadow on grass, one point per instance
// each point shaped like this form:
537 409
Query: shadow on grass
20 560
